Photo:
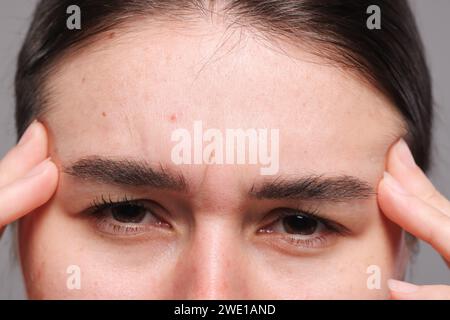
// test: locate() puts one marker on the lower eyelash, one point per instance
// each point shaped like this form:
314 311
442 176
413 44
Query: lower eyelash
115 228
319 241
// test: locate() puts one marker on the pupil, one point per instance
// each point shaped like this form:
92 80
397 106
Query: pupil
300 224
128 213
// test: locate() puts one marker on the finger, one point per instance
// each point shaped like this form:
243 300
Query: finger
414 215
401 290
401 165
28 193
31 150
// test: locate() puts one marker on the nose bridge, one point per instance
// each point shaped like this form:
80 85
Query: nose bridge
212 265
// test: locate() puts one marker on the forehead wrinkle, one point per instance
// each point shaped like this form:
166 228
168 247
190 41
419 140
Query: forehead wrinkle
134 131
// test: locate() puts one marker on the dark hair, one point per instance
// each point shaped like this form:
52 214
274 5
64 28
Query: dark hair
390 58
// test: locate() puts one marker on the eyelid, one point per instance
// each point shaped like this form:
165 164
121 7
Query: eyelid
297 245
329 223
103 221
99 204
102 203
308 210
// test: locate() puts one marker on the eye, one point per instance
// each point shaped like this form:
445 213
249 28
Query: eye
297 223
126 217
302 228
129 212
300 224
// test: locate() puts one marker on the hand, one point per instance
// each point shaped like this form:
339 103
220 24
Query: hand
27 178
408 198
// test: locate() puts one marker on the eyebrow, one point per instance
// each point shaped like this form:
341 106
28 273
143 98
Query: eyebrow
126 172
339 188
130 172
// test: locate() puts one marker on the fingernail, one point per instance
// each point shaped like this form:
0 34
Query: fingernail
28 134
401 286
404 154
393 184
39 169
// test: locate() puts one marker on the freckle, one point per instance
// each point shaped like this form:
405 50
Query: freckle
83 80
103 114
173 117
112 35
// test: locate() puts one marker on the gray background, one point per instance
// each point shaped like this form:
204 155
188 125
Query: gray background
434 23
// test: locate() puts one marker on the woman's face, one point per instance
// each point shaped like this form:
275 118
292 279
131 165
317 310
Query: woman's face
211 226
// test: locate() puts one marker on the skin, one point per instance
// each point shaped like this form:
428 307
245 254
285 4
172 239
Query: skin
123 96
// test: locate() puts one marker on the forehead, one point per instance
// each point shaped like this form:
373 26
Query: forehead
126 94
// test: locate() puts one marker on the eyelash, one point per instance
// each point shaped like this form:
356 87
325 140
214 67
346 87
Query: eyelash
102 203
332 229
103 223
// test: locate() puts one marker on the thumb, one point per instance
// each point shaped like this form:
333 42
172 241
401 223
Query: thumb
401 290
